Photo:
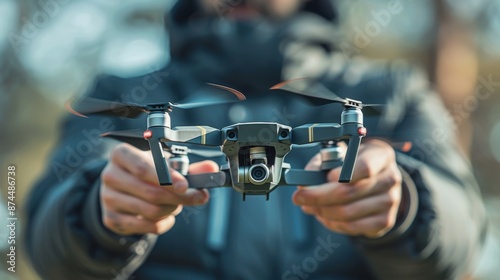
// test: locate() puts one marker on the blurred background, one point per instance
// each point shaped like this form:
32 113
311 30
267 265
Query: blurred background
52 50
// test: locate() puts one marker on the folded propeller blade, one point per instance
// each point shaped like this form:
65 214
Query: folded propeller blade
373 109
214 97
315 92
133 137
318 94
88 105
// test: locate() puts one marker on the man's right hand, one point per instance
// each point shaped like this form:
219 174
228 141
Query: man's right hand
133 201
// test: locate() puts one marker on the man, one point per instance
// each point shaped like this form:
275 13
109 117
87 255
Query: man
99 212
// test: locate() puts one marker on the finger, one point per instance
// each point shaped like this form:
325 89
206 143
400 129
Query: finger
122 181
123 203
138 163
371 226
353 211
314 163
206 166
337 193
134 161
128 224
374 156
177 211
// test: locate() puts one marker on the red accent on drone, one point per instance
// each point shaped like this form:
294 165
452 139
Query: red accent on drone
147 134
406 147
68 107
362 131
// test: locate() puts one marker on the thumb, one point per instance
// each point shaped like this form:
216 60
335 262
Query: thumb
205 166
314 163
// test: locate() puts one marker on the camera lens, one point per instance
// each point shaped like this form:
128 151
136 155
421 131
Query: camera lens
259 173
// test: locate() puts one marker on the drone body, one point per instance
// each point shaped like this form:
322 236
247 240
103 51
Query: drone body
255 153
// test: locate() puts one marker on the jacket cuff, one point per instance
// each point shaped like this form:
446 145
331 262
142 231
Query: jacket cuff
92 221
406 214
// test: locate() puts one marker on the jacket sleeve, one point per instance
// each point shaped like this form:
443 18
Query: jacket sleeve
65 236
443 223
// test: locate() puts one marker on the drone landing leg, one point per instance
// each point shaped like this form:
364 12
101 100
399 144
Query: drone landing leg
160 162
350 159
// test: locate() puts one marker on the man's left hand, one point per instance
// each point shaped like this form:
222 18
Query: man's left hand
368 206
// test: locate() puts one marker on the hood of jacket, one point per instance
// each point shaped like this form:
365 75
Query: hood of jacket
251 55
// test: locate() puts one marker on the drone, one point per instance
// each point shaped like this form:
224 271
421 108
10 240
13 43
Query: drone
255 151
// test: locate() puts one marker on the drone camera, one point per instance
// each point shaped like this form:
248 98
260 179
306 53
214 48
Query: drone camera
259 173
232 135
258 155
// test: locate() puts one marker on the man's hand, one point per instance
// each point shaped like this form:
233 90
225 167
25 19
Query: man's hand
132 200
368 206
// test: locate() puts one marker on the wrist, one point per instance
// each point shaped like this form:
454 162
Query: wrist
92 221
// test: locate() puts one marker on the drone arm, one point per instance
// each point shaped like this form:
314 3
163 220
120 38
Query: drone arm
350 159
317 132
160 161
308 177
209 180
300 177
200 135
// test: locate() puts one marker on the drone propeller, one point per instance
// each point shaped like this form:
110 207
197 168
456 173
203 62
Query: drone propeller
318 94
88 105
133 137
213 98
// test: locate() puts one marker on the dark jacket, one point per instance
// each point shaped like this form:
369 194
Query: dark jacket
437 238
